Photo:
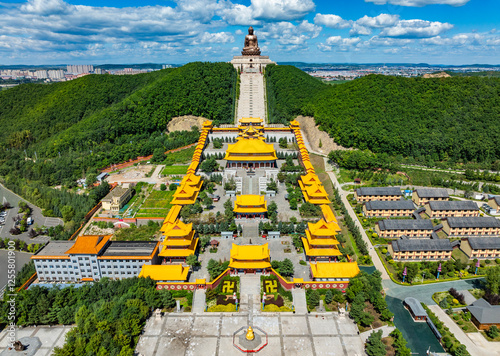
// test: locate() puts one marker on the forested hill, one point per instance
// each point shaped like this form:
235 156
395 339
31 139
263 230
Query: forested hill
289 90
456 118
96 120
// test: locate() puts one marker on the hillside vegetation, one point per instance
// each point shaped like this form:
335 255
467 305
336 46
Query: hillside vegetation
450 118
53 134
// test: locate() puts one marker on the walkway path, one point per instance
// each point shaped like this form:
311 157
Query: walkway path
299 300
473 349
386 330
199 301
251 102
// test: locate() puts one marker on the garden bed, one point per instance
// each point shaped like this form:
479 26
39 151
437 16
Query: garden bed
277 298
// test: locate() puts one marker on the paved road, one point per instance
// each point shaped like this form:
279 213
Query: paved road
39 219
424 292
474 349
21 259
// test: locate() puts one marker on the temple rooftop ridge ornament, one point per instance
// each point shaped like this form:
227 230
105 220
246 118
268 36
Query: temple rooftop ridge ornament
251 47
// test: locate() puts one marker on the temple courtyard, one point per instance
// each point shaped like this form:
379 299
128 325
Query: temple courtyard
288 334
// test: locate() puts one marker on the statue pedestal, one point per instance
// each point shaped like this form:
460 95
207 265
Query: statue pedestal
250 346
251 64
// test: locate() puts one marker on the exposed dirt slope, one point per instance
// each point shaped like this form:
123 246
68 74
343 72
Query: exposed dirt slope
314 135
181 123
436 75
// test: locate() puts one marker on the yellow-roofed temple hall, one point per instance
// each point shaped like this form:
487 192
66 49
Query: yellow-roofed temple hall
314 192
251 121
250 153
320 243
250 206
250 258
341 271
179 241
165 273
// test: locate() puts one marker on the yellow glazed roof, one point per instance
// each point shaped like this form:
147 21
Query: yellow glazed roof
328 213
248 146
165 272
251 120
250 199
177 228
319 252
179 241
172 215
322 228
310 178
334 269
191 179
250 252
179 252
321 241
249 264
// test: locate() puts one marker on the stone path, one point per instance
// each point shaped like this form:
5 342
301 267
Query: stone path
386 330
199 301
251 102
299 301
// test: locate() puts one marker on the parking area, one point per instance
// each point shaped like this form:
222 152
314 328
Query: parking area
37 216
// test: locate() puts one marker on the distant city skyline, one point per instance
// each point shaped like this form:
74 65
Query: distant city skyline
448 32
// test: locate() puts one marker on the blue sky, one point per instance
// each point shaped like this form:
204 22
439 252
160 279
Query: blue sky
328 31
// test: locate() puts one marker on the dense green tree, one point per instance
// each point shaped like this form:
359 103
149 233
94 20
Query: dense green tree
374 345
493 279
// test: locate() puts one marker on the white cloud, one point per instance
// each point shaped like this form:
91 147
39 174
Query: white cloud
286 33
46 7
209 38
419 3
380 21
238 15
332 21
359 30
338 40
416 29
281 10
238 32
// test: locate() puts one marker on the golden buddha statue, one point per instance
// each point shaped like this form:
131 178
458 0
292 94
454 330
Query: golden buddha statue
250 335
251 47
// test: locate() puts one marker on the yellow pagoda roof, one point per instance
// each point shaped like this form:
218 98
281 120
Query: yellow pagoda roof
179 252
177 228
165 272
172 215
315 194
250 150
207 124
310 250
328 214
322 228
334 269
294 123
191 179
310 178
321 241
250 204
178 241
88 244
251 120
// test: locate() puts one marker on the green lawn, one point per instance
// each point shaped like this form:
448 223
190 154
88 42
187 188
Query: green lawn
183 156
174 170
151 213
157 204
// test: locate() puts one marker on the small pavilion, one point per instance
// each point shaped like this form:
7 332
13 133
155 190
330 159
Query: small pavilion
251 121
250 258
250 206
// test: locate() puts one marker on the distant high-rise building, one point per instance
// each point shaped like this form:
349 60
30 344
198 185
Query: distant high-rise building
165 66
56 74
41 74
98 71
80 68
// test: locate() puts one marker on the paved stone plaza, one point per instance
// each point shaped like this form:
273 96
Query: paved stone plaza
289 334
50 337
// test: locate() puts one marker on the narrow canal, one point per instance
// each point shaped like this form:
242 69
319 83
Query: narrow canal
418 335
